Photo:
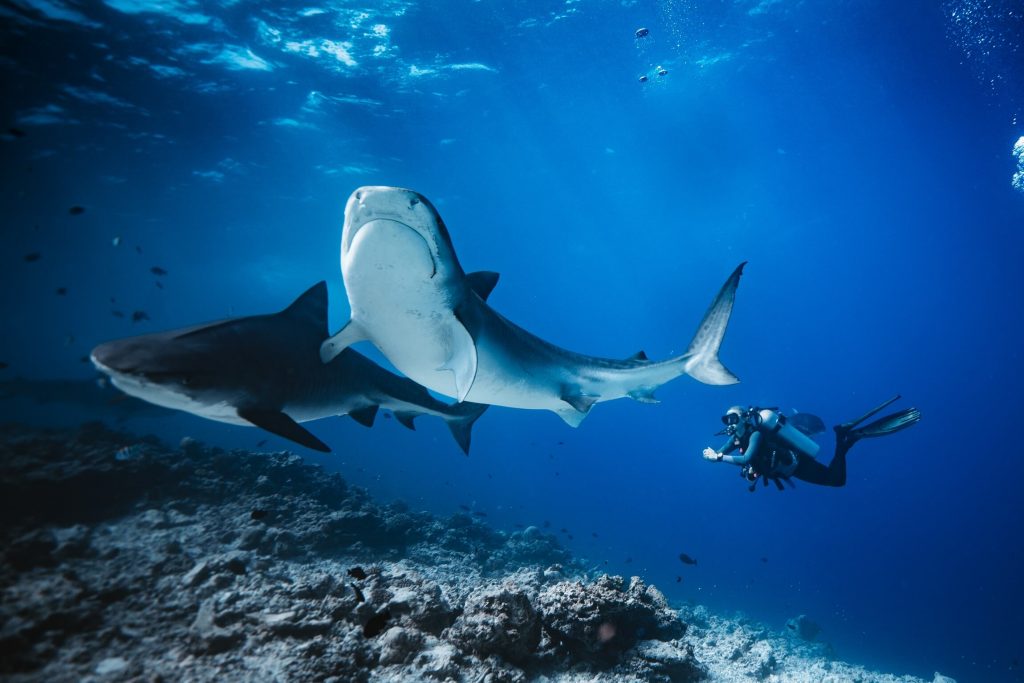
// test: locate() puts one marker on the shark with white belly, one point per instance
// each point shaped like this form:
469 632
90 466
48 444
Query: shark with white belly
265 370
410 297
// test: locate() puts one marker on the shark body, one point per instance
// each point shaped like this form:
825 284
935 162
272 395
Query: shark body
265 370
411 298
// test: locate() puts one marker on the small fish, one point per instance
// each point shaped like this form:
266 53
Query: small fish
359 594
257 514
117 314
127 453
76 210
139 316
17 132
686 559
83 359
679 579
157 270
464 507
159 285
594 534
387 416
4 366
547 524
261 443
376 624
116 241
138 249
643 78
479 513
32 257
69 340
357 573
569 536
662 71
518 526
564 530
643 32
629 560
764 559
561 443
62 291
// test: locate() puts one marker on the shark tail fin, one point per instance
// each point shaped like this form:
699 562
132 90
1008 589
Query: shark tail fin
701 359
460 422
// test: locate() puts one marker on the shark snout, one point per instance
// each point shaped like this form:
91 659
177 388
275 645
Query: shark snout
375 203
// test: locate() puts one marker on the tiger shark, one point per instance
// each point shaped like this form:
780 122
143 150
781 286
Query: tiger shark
265 370
410 297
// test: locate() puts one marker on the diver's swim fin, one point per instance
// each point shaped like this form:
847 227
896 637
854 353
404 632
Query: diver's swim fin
889 424
847 426
848 433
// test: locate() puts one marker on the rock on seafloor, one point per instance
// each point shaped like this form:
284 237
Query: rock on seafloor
198 564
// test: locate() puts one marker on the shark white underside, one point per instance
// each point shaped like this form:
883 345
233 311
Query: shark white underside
410 297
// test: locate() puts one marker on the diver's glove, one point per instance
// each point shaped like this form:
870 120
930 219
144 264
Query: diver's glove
712 454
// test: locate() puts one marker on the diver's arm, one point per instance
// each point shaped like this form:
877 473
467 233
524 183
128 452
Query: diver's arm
755 441
728 447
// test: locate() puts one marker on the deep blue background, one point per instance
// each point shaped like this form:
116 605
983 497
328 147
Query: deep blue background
856 154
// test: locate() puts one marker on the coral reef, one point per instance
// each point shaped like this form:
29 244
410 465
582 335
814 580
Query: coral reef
204 565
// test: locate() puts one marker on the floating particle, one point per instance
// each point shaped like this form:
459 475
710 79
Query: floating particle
62 291
32 257
76 210
116 241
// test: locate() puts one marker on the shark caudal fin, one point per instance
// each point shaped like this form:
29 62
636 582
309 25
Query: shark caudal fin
701 360
460 422
459 417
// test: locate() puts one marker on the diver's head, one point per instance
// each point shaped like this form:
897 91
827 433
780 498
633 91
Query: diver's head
737 421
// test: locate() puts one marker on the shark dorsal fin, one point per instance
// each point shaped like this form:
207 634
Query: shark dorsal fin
482 282
311 306
639 355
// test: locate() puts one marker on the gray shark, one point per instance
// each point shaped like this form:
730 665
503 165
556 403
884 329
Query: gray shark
410 297
265 370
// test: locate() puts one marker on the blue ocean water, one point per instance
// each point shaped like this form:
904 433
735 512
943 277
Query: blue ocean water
857 154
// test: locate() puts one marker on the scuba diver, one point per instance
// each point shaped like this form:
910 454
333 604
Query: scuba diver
776 448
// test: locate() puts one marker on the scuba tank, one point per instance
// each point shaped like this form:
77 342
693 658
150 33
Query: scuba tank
773 422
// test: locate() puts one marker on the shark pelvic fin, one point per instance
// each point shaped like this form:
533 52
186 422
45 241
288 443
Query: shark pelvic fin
701 359
405 418
365 416
276 422
639 355
346 337
572 417
311 306
461 360
579 401
643 395
482 282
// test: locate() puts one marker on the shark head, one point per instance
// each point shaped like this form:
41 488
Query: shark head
398 230
169 369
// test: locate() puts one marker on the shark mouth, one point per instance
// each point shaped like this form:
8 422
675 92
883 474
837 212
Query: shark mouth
391 243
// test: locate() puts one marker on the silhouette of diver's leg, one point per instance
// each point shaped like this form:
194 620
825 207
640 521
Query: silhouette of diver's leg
810 470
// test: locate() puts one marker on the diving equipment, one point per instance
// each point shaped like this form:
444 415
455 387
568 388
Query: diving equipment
773 422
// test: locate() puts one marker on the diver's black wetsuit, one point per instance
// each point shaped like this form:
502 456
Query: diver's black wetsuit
759 450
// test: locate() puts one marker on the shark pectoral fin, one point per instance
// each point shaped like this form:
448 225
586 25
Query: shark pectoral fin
461 359
276 422
482 282
365 416
701 360
405 418
572 417
643 395
347 336
580 402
